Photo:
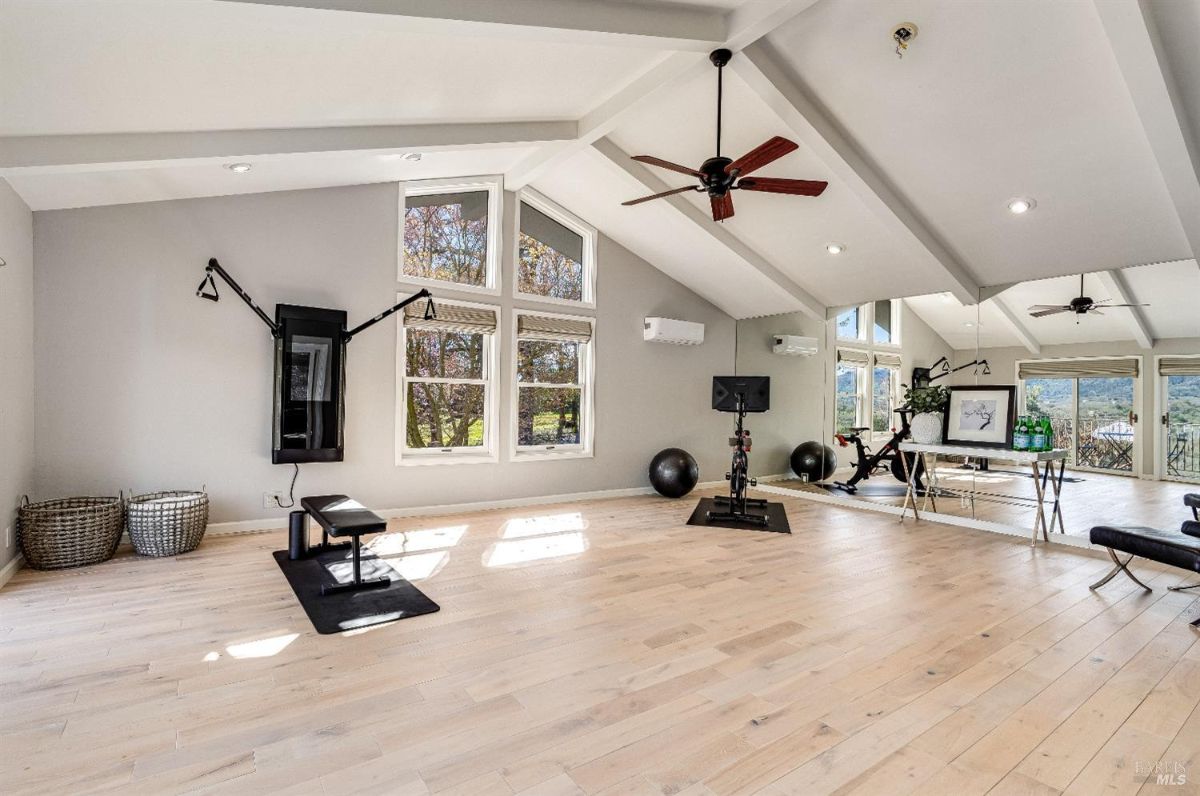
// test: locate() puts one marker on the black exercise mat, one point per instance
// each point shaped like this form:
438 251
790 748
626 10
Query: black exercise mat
777 521
351 610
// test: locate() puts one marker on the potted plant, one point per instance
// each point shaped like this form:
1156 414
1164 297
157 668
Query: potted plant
927 404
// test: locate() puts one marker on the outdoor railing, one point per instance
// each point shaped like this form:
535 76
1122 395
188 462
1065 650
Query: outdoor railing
1105 442
1183 450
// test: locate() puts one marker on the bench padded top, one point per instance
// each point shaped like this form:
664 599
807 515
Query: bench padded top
341 516
1136 539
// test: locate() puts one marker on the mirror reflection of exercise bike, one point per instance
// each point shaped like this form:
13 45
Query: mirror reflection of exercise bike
884 459
740 395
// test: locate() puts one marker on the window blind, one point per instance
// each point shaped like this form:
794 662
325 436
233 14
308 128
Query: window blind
852 357
1179 366
544 327
883 360
1078 368
451 318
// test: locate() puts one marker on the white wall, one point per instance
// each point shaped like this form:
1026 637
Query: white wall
802 388
1003 363
16 363
142 385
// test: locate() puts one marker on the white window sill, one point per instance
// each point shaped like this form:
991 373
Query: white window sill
444 284
541 455
561 302
411 459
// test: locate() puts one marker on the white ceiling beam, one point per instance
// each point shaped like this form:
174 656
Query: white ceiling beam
1118 290
763 70
809 305
745 25
1156 98
69 152
571 21
1017 326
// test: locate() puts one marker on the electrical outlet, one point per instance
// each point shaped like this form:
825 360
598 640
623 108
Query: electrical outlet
271 500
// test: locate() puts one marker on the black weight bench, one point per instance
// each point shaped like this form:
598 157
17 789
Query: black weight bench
338 515
1177 548
1192 501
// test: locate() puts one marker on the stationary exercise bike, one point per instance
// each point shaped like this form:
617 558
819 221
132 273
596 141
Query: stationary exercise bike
739 478
886 457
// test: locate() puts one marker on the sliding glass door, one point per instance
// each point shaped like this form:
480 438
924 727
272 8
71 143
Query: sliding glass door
1093 418
1180 445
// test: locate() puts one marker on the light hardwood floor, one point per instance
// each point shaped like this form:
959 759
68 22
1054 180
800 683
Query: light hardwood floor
1087 498
608 648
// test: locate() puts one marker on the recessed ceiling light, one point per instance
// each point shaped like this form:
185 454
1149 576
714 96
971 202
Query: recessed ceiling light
239 168
1021 205
835 248
411 157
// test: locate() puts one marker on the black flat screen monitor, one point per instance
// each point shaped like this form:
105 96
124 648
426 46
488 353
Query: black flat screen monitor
755 392
309 385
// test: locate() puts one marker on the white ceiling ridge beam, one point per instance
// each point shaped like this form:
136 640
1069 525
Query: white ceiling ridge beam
1138 49
744 26
762 70
1017 326
68 152
570 21
1117 288
809 305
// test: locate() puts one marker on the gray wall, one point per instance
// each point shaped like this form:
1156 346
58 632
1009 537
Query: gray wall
16 363
802 388
142 385
1003 362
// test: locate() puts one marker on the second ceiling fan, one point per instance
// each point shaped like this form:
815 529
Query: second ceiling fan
719 175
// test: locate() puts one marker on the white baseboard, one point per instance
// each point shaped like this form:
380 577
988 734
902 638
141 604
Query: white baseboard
273 524
10 569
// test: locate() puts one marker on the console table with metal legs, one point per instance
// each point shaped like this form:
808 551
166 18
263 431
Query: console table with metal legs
1047 482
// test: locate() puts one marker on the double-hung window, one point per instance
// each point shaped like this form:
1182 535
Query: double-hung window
451 234
556 253
447 396
885 391
851 389
552 382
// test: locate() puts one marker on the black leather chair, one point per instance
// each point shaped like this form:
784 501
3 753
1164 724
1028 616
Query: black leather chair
338 515
1177 548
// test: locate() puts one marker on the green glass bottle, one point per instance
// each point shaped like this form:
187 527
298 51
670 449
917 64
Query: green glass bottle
1049 434
1021 434
1037 441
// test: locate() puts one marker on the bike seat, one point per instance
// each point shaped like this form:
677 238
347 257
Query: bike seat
859 429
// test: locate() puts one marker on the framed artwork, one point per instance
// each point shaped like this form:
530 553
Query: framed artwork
982 416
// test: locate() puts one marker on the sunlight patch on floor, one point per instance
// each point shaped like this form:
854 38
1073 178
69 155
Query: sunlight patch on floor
537 548
521 527
261 648
400 542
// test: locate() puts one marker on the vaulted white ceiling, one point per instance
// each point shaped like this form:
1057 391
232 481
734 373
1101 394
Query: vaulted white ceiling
1091 107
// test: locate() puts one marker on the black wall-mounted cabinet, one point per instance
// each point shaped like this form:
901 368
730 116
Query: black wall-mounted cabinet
310 370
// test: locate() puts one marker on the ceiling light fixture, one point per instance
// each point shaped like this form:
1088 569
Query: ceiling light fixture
835 248
239 168
902 34
1021 205
411 157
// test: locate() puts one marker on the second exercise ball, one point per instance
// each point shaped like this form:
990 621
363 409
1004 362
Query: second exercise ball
814 460
673 472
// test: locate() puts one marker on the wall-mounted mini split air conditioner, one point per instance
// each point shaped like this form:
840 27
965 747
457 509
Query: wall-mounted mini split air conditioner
668 330
794 346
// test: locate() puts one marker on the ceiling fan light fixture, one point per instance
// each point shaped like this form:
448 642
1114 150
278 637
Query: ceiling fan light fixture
835 248
1021 205
239 168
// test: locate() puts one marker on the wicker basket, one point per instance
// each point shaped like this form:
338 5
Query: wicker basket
70 532
167 523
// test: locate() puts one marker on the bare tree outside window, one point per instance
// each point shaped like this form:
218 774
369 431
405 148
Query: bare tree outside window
445 237
445 389
549 393
550 257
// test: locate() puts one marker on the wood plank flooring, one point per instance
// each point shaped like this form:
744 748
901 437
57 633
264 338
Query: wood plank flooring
607 648
1090 499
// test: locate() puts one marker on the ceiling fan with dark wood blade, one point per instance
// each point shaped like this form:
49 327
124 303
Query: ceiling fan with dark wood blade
1081 305
719 175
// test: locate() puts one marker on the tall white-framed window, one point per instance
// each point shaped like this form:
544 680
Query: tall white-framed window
446 393
555 257
450 233
851 323
851 390
885 392
885 322
553 383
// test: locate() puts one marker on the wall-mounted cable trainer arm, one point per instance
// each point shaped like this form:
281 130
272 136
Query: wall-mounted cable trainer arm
215 267
430 312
